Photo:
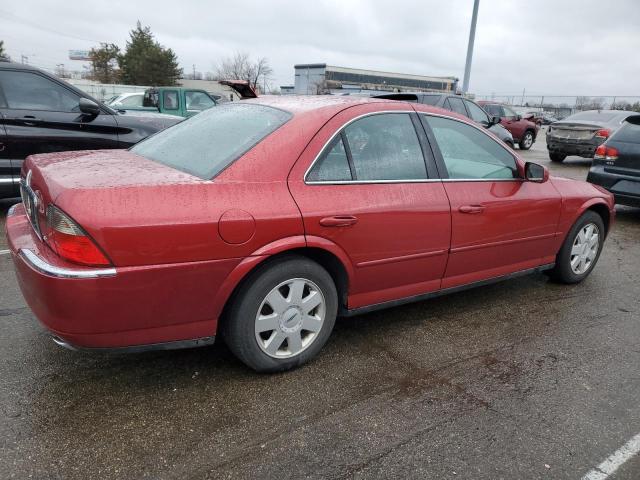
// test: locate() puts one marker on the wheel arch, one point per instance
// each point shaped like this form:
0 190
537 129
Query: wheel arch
322 251
601 209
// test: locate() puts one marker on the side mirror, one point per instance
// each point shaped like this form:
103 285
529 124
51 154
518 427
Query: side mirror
495 120
518 118
535 173
88 107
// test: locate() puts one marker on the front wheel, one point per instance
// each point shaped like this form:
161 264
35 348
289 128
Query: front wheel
580 250
282 316
527 140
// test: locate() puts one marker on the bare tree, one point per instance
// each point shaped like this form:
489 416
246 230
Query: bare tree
242 67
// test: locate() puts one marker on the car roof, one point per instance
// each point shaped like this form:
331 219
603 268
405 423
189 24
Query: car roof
298 104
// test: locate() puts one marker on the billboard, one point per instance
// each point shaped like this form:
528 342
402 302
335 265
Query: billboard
79 55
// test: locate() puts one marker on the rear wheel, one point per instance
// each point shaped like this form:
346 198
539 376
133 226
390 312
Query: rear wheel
557 157
282 316
527 140
580 250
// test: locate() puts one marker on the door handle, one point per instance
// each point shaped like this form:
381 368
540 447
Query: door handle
339 221
471 209
30 120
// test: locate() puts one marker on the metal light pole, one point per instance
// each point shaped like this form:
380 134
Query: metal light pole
472 37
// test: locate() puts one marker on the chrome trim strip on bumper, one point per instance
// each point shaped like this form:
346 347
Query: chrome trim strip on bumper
41 266
175 345
12 209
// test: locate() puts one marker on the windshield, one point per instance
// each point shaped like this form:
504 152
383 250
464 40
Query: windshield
207 143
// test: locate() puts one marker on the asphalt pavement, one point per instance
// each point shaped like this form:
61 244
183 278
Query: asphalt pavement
525 379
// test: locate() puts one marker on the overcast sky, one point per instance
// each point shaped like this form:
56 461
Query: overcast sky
568 47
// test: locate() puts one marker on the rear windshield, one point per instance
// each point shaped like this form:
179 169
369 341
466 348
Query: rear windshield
629 132
208 142
595 116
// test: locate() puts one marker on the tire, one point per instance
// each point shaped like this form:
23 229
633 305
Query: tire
278 292
527 140
565 270
557 157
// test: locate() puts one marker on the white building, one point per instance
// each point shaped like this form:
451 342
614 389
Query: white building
319 78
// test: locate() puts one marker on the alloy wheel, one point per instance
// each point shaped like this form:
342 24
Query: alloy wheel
585 249
290 318
528 140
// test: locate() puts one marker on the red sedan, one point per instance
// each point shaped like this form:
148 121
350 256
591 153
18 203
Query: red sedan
264 220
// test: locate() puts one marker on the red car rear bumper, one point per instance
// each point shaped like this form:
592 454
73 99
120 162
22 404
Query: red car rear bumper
160 306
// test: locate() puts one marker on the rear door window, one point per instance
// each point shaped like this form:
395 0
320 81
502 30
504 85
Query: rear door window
385 147
457 106
379 147
333 164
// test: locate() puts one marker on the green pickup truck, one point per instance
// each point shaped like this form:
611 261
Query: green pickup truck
178 101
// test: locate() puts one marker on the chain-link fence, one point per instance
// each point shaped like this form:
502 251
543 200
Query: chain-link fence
562 106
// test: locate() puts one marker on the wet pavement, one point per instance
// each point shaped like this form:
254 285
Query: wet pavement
523 379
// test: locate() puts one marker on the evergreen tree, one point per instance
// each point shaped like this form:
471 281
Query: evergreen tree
3 54
146 62
103 63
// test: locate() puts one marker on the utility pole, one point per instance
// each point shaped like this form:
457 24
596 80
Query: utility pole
522 101
194 71
25 59
472 37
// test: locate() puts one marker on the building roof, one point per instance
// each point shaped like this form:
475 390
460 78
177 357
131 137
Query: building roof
334 68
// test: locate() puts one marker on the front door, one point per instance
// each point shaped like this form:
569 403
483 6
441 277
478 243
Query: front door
500 223
373 194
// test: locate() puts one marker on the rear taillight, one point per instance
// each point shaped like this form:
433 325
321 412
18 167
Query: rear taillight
605 152
68 240
603 133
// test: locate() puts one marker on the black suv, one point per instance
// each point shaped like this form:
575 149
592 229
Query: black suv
40 113
616 163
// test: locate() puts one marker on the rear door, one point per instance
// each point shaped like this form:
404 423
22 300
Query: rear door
42 116
500 222
368 185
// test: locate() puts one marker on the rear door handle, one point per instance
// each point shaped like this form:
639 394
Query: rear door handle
339 221
472 209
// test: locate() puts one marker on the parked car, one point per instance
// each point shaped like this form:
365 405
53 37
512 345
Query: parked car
581 133
616 163
458 104
548 119
535 117
524 131
126 100
308 208
40 113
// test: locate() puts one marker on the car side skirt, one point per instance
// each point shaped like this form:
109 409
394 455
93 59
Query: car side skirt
175 345
426 296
